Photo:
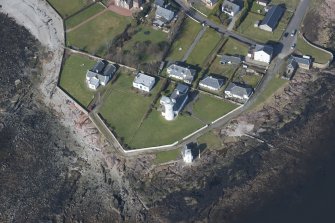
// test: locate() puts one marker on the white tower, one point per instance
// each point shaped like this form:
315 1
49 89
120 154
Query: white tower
187 155
168 104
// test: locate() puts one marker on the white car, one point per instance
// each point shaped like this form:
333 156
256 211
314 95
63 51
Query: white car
293 46
293 32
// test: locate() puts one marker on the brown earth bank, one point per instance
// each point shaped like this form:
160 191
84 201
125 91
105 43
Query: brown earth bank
245 176
319 23
45 176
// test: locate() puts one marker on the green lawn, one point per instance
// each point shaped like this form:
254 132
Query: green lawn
256 8
84 15
123 109
146 33
247 29
304 48
184 39
290 4
270 89
209 108
235 47
68 7
72 78
251 79
211 140
156 131
94 36
204 48
200 6
226 70
166 156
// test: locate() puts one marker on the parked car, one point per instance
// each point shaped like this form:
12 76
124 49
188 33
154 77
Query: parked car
293 46
286 34
293 32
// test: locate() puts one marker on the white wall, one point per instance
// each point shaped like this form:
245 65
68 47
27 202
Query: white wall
262 57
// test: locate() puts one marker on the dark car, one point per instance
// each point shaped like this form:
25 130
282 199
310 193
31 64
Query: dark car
286 34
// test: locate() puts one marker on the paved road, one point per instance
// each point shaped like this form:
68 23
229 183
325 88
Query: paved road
294 24
195 41
202 19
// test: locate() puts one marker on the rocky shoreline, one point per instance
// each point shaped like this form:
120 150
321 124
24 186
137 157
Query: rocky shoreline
54 171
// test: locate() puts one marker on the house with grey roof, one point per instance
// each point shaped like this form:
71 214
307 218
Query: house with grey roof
291 67
230 7
160 3
163 16
304 62
172 105
226 59
181 73
209 3
261 53
238 91
212 83
263 2
100 74
272 18
144 82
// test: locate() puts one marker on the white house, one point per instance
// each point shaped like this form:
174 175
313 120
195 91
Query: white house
261 53
211 83
171 106
238 91
262 2
187 154
181 73
100 74
230 8
93 83
144 82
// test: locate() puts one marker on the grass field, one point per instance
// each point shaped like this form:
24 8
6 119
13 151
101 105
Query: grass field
94 35
270 89
211 140
235 47
156 131
166 156
226 70
304 48
208 108
204 48
84 15
68 7
184 39
290 4
123 108
72 78
247 29
146 33
251 79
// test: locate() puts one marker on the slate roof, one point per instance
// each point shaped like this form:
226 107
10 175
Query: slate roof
109 70
229 6
164 13
159 3
302 60
273 16
266 48
238 89
144 79
213 82
179 94
233 59
99 66
183 72
292 63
